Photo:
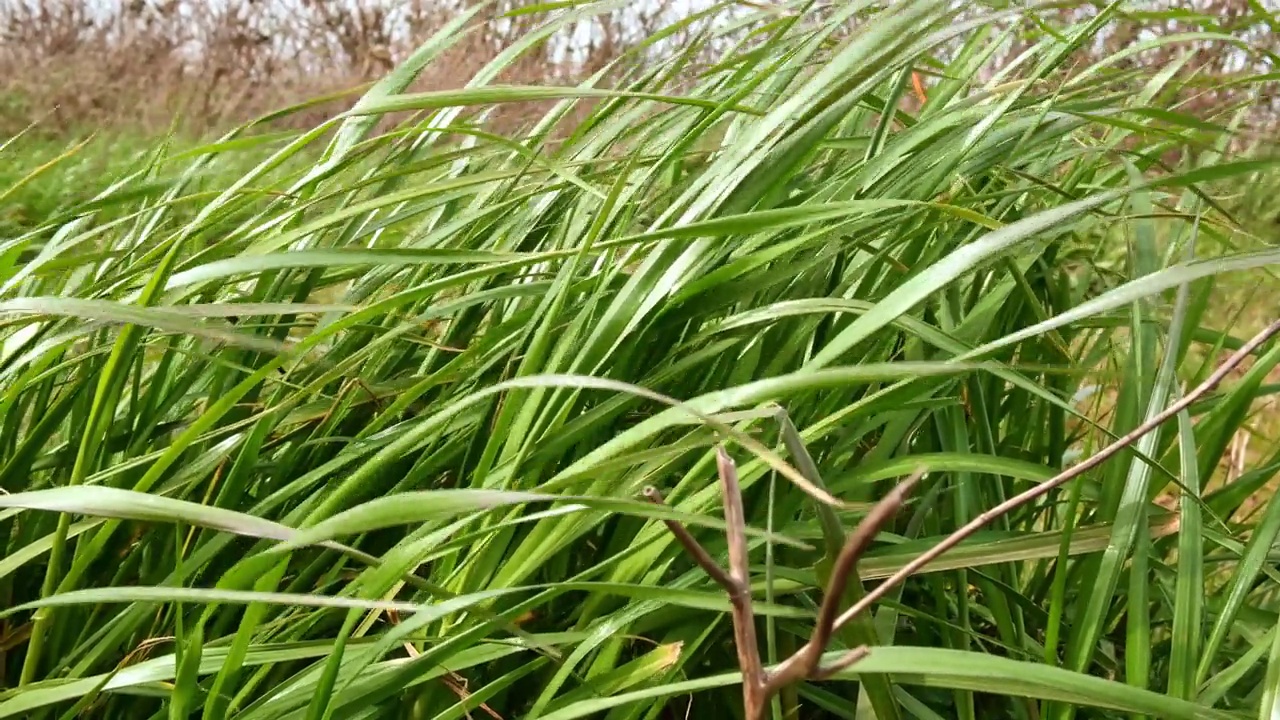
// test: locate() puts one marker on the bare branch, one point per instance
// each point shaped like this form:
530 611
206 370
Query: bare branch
804 663
856 546
744 619
692 546
1043 488
847 660
759 686
734 517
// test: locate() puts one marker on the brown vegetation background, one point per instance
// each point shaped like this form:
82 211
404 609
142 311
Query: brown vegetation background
98 64
76 64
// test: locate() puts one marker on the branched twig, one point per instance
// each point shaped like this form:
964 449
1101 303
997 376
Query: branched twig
759 685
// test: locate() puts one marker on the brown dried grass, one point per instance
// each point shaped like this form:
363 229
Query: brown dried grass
141 64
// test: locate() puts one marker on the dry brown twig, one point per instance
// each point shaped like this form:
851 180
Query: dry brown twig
962 533
759 684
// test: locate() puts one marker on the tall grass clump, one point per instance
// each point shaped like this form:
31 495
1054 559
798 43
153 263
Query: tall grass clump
363 428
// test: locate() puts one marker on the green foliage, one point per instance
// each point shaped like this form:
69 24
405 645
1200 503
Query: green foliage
341 424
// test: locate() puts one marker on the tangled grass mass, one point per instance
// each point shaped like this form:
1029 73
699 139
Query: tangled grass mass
600 412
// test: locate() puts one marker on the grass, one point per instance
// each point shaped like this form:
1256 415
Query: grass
338 423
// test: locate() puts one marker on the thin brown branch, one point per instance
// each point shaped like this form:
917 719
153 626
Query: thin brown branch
734 517
1043 488
759 686
854 548
804 663
846 661
692 546
744 619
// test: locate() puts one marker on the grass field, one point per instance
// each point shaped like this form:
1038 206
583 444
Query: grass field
357 420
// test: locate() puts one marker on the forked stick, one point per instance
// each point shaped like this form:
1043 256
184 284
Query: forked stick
759 685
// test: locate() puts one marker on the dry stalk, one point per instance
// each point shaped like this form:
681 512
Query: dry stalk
759 685
1017 501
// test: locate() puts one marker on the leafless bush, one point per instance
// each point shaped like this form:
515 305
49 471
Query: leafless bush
73 63
142 63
